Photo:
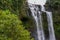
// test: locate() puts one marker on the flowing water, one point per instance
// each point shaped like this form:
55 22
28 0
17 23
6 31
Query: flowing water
37 2
50 26
37 15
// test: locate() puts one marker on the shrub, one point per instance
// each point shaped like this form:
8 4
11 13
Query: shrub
11 27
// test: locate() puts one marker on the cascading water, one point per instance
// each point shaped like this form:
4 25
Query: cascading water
36 13
37 16
50 26
42 8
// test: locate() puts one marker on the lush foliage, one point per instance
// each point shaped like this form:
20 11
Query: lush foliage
11 27
15 6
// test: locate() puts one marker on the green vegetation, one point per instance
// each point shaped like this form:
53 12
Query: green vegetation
15 6
11 27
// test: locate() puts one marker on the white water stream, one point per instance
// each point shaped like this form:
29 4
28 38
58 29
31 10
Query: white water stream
50 26
33 5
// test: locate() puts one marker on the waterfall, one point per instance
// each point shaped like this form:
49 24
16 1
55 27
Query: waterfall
42 8
50 23
37 15
50 26
37 2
